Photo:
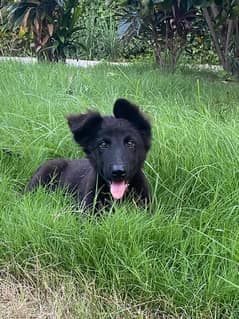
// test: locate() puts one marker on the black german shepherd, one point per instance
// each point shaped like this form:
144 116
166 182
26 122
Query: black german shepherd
116 148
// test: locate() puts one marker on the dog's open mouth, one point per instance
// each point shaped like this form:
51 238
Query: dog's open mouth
118 189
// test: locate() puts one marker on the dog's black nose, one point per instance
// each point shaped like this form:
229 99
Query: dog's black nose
118 171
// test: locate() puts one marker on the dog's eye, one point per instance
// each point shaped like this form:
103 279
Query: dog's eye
130 144
103 145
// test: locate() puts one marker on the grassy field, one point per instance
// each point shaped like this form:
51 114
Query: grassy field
181 259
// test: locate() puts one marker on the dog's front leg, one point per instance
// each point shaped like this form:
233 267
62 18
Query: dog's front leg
89 192
140 187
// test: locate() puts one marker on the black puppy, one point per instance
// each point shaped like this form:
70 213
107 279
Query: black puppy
116 147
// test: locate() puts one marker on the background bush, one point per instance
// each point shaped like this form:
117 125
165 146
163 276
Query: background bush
98 37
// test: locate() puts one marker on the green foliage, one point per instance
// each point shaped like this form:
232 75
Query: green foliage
52 23
98 32
64 41
36 17
199 48
170 26
87 29
165 25
10 41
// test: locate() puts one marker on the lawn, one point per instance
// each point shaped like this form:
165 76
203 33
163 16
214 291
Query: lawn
178 260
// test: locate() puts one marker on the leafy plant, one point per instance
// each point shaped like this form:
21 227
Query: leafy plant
99 32
9 41
52 23
165 24
64 38
199 48
36 16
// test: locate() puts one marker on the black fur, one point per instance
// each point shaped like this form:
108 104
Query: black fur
116 148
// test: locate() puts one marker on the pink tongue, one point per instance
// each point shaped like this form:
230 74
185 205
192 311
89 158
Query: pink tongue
118 189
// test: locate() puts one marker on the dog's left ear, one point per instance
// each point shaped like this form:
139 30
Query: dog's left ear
126 110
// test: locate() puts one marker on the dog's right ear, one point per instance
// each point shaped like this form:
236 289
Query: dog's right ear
84 127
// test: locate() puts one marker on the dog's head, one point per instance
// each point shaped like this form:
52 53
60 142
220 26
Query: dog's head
116 145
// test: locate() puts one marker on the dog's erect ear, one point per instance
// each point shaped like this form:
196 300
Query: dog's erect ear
126 110
84 127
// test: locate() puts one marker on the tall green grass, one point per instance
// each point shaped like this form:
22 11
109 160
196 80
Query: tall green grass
182 256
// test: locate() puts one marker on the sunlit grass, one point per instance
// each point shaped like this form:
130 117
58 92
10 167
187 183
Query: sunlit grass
181 256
